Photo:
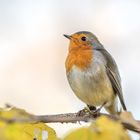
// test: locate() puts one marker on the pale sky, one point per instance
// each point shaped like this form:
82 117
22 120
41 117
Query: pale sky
33 51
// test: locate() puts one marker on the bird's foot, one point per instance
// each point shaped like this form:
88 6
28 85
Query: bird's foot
83 112
87 111
92 111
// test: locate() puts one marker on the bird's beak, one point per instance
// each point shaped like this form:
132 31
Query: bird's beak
67 36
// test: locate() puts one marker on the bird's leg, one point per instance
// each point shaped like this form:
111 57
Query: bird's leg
91 108
97 111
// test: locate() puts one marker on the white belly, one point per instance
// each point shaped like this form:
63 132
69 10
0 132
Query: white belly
92 86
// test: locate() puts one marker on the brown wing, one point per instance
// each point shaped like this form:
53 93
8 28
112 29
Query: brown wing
113 74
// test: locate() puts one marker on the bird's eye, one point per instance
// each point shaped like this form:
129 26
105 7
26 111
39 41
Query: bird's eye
83 38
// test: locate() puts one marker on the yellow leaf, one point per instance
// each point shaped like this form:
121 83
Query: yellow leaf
102 129
23 131
13 112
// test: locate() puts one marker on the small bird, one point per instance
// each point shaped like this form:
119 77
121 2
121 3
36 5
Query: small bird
92 73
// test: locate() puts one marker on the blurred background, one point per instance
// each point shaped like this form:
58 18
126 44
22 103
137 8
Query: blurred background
33 51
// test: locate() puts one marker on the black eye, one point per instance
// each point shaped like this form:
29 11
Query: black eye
83 38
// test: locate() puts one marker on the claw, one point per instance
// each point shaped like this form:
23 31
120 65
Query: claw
87 110
83 111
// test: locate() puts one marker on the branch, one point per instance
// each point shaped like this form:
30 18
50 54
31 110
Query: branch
125 118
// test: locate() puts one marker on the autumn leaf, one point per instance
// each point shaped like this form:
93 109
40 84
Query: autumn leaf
102 129
23 131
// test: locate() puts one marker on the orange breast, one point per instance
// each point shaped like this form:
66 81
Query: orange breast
80 56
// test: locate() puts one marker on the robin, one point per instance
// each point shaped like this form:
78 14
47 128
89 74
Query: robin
92 73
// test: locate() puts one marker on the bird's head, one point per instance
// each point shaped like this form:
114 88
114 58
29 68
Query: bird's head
83 40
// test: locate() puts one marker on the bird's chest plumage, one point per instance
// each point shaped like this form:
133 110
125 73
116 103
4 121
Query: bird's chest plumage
91 84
